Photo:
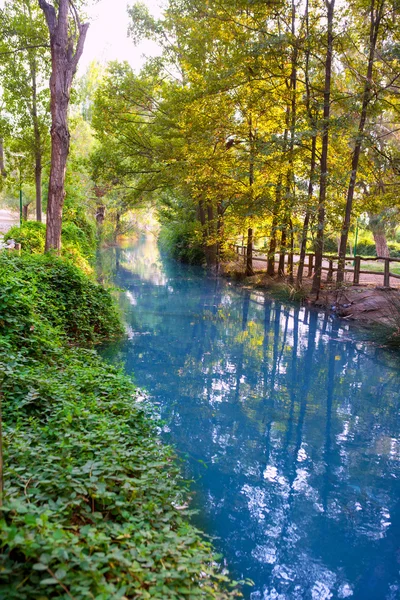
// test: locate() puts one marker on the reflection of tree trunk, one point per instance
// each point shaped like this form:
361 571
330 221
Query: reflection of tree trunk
240 360
330 384
293 383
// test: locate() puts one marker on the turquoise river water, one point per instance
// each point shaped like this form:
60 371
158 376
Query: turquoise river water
287 422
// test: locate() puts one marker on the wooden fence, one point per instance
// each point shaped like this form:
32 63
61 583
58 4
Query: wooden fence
331 266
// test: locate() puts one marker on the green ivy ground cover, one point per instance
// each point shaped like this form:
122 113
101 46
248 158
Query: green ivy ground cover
93 503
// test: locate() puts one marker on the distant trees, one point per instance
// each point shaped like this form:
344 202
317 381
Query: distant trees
250 106
24 72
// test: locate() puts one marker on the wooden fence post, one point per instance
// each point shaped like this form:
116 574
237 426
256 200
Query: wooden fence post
310 264
357 268
386 274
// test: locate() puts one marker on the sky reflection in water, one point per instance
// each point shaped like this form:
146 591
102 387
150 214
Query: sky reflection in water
288 424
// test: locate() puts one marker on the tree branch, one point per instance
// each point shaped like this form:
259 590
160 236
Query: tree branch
50 14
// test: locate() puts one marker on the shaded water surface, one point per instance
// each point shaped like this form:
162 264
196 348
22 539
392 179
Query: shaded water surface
287 422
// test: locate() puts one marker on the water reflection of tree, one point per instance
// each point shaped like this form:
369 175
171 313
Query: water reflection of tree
293 422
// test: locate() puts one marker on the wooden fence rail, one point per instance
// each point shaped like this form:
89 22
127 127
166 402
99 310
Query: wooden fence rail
332 268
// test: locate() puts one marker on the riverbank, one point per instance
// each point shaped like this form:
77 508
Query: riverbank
93 505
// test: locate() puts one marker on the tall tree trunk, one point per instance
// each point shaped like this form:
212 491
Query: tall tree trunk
272 239
291 252
379 233
291 186
312 124
38 186
376 11
25 212
36 134
66 50
319 243
249 255
282 254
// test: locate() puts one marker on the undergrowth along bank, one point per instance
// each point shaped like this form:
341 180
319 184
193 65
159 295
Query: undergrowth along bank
93 505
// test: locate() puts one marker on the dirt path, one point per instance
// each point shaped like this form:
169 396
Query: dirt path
8 218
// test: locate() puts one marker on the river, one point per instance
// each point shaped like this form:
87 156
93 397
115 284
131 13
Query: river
285 419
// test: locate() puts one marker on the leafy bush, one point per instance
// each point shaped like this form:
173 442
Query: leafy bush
31 236
45 289
76 244
182 241
93 502
94 505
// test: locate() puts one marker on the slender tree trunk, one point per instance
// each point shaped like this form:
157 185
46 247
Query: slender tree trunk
25 212
304 234
249 253
291 252
272 239
323 184
312 124
38 187
65 55
281 265
3 171
211 248
220 232
376 11
291 185
37 136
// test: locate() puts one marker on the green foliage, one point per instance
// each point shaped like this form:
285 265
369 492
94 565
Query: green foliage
31 236
181 241
54 293
89 506
78 243
94 506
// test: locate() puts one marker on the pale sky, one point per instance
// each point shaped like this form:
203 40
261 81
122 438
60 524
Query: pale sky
107 35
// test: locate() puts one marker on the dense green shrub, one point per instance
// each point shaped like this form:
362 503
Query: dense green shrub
55 292
94 505
31 236
76 243
182 242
